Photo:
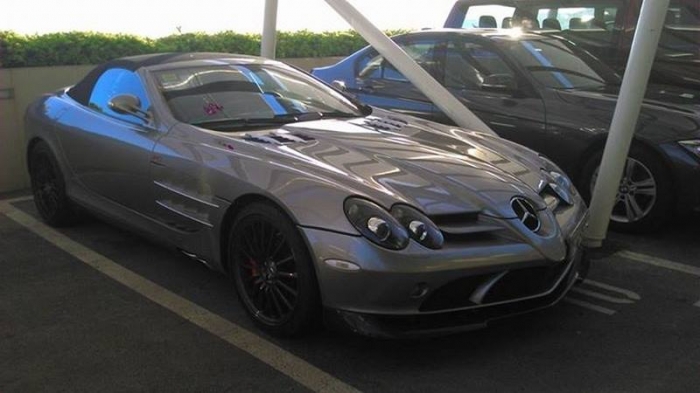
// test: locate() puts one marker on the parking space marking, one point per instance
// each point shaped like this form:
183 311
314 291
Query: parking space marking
601 296
614 295
590 306
626 292
18 199
269 353
659 262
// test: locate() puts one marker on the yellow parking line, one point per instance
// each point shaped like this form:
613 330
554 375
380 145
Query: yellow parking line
269 353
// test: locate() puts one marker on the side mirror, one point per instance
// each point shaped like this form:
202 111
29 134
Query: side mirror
340 85
500 82
127 104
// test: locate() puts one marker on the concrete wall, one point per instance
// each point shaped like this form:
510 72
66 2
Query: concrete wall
20 86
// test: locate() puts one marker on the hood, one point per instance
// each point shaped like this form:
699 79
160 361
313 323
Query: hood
394 159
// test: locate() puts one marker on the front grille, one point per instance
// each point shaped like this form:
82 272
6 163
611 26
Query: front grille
516 284
454 294
416 325
525 283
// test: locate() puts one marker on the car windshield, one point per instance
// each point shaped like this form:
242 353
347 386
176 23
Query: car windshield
559 65
226 96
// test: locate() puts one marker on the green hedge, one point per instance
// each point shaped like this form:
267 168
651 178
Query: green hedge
75 48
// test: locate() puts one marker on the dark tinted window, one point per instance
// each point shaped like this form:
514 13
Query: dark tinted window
374 66
468 65
680 38
114 82
488 16
556 64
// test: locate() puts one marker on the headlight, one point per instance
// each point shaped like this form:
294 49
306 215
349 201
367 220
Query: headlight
376 224
420 228
692 146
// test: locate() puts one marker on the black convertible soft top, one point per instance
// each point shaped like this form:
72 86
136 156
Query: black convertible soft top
82 90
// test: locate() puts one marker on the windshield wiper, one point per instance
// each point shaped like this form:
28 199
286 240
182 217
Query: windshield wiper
338 115
248 122
252 122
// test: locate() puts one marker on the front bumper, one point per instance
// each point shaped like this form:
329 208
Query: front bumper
422 325
417 291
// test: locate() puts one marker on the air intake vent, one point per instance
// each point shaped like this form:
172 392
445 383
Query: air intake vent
468 226
385 124
277 138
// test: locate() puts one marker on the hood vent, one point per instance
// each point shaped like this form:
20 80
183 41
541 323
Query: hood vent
467 226
385 123
277 138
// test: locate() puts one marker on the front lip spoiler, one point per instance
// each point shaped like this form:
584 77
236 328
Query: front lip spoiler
451 322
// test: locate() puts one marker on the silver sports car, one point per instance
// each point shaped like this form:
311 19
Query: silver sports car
313 204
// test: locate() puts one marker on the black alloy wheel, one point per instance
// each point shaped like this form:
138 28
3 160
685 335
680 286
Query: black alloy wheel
48 187
272 271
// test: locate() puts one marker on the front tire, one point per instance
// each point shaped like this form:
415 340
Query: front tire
49 187
645 197
272 271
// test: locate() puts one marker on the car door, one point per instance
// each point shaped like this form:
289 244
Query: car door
486 83
379 83
109 152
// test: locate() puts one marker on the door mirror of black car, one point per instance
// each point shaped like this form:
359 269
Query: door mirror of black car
127 104
500 82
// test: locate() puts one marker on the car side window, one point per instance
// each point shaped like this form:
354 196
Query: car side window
374 66
579 18
469 65
488 16
114 82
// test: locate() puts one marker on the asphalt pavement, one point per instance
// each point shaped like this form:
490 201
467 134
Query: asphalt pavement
95 308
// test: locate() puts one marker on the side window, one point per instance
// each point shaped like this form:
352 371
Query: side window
680 37
578 18
114 82
469 65
488 16
374 66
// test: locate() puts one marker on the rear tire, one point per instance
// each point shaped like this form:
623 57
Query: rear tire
272 271
49 187
645 197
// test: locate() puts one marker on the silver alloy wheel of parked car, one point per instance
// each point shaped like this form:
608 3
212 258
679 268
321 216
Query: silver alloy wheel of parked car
636 195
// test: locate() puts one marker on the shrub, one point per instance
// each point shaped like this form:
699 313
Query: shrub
76 48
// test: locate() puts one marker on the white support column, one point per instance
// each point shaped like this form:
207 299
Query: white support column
634 84
409 68
268 43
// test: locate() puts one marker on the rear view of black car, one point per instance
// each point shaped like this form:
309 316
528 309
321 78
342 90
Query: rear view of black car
603 27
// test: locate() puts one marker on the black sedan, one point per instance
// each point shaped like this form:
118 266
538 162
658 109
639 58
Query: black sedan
546 93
